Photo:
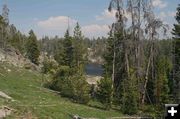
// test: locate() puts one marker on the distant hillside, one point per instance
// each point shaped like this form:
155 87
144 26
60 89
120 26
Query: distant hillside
93 58
96 50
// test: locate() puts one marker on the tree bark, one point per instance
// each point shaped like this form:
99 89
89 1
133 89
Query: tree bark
146 76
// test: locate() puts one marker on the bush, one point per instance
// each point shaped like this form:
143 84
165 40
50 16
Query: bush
30 66
60 78
130 103
104 92
49 66
81 89
27 66
70 85
63 71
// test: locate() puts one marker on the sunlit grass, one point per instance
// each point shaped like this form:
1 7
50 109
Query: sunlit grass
31 98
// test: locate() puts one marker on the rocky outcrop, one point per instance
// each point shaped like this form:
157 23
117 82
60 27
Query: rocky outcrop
92 58
14 57
3 95
4 112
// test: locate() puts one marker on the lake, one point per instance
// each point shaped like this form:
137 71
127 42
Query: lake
94 69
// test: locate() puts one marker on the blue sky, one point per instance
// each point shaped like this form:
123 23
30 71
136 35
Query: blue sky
49 17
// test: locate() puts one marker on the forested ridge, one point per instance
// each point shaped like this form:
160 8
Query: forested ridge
141 67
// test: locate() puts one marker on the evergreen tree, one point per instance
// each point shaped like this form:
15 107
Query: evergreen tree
108 56
60 53
161 83
2 24
81 89
32 48
49 66
68 50
80 50
120 61
114 65
16 39
129 96
3 33
104 92
70 85
5 15
176 69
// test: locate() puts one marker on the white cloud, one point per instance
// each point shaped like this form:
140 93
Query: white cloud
106 15
162 15
56 23
35 19
54 26
168 19
172 14
159 3
95 30
166 15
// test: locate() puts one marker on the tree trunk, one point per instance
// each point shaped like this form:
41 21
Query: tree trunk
146 77
127 65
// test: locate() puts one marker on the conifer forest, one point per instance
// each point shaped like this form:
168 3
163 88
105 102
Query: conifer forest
63 59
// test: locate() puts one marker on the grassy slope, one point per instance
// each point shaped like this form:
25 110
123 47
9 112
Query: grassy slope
31 99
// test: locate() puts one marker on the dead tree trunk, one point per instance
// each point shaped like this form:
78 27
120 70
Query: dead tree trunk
146 78
148 69
113 73
127 64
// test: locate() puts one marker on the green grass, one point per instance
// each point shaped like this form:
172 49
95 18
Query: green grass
1 101
33 100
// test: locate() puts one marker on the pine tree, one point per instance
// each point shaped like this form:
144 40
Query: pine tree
117 62
80 50
32 48
114 63
60 53
161 83
16 39
176 69
104 92
68 50
5 15
2 32
129 96
108 55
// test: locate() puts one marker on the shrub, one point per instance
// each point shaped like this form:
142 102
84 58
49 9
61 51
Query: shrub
130 103
81 89
49 66
27 66
70 85
59 78
104 92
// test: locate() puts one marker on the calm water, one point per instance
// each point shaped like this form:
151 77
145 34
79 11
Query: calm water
94 69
